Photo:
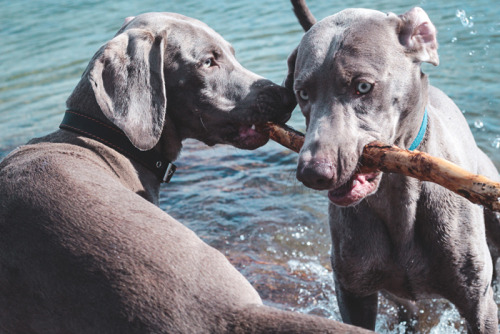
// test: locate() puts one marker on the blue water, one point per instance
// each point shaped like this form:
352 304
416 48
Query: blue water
246 204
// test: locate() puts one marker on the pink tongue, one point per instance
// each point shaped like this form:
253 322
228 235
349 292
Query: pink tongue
362 178
363 185
357 188
246 131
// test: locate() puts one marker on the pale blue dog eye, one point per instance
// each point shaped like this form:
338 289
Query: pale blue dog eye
303 95
364 87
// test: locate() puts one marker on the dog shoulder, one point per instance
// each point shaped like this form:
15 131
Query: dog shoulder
441 101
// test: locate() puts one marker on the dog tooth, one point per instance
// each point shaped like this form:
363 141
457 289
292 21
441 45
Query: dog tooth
253 126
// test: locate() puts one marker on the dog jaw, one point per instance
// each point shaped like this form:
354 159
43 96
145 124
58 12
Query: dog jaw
355 190
248 138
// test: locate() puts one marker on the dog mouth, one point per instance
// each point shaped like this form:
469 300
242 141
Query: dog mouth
355 189
248 127
253 134
249 138
248 133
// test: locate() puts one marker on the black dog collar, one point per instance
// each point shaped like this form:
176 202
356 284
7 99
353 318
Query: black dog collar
116 139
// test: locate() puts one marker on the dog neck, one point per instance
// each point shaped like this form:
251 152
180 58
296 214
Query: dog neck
110 135
421 132
414 119
83 101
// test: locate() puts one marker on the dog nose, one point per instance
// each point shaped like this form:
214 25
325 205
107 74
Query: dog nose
317 175
289 101
280 103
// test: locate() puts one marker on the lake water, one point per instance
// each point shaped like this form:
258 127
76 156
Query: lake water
247 204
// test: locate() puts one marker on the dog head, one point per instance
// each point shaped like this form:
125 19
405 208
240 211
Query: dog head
165 70
357 79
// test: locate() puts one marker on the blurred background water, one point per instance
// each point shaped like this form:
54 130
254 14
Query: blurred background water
247 204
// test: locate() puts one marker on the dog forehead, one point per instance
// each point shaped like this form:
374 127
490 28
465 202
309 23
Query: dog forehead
158 21
193 36
352 32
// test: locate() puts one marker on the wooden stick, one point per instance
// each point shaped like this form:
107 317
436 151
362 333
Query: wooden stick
284 135
392 159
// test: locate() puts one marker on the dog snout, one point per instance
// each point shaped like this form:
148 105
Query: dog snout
277 102
316 174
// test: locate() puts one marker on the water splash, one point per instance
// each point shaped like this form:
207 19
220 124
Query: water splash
466 21
321 300
448 323
478 124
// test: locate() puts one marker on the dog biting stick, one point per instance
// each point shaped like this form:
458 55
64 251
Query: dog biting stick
392 159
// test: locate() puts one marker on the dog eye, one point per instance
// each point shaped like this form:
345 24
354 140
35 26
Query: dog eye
209 62
364 88
303 95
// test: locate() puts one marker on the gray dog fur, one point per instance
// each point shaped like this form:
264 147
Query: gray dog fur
357 78
84 248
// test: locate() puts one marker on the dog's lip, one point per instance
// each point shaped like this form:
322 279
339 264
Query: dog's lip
359 186
249 138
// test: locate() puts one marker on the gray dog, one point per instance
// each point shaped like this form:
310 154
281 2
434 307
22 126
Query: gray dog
357 78
83 248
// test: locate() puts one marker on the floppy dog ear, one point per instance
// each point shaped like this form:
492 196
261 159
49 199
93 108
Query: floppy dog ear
288 83
418 34
129 85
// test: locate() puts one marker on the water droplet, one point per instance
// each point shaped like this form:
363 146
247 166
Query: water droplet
496 143
478 124
486 49
454 39
463 18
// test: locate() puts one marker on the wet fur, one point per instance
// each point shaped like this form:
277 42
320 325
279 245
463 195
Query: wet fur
413 239
84 247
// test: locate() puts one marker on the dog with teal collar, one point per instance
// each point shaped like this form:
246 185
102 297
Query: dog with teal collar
358 79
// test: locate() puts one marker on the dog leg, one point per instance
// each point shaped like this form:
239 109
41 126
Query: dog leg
492 224
407 311
480 312
355 310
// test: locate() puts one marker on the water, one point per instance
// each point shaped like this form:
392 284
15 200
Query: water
246 204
